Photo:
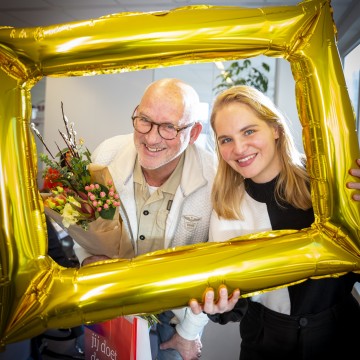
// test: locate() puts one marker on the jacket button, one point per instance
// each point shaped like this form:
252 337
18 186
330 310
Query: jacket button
146 212
303 322
142 237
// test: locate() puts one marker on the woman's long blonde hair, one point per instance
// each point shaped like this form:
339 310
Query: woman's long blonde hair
293 184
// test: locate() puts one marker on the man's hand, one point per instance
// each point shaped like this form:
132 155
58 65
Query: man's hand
94 258
188 349
224 304
355 185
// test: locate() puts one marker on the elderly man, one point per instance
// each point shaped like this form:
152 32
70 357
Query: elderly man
164 181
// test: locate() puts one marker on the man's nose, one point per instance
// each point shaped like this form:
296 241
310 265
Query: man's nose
153 134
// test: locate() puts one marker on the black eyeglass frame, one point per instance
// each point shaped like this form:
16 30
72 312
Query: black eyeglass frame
152 123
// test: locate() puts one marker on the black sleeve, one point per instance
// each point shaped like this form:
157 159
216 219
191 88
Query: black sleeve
234 315
55 250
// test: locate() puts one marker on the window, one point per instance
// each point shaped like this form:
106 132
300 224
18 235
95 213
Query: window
352 74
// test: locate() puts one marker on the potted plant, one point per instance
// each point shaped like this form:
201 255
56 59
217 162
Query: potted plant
243 73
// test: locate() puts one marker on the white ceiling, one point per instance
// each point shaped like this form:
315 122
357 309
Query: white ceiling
31 13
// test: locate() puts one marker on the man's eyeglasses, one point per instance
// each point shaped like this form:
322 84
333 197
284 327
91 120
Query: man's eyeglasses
167 131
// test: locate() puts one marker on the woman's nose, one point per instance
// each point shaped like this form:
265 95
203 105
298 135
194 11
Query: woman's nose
239 146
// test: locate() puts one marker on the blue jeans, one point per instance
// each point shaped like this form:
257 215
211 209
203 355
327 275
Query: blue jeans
165 332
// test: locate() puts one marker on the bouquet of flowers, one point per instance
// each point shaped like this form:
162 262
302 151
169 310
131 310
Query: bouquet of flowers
68 178
82 198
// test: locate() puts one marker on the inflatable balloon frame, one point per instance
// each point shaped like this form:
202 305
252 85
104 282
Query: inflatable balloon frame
37 294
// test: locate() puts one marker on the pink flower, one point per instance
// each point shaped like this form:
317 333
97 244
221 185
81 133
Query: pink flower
106 206
97 186
99 209
95 203
111 193
102 194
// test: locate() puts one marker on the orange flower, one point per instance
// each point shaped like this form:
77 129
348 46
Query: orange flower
50 179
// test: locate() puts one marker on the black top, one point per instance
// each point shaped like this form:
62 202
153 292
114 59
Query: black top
310 296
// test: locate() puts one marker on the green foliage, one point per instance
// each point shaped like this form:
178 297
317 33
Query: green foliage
243 73
75 175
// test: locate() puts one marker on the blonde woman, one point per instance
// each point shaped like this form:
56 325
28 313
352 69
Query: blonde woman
262 184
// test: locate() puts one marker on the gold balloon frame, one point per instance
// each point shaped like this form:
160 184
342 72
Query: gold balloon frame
37 294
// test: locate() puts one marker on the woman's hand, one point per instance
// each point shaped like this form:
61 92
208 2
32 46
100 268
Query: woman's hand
355 185
210 306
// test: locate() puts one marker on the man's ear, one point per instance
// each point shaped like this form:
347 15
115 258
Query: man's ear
195 132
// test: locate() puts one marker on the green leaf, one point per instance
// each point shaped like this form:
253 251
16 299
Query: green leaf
63 151
104 189
107 214
242 73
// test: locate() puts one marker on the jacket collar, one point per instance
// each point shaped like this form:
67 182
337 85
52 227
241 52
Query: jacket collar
193 176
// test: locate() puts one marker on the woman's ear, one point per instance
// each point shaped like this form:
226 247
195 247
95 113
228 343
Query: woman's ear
195 132
276 130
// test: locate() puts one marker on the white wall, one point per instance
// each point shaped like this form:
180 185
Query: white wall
100 106
286 101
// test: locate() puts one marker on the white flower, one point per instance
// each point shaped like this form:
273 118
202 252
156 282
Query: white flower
70 215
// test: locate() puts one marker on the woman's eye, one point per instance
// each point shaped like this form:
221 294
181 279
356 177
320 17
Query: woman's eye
225 140
249 132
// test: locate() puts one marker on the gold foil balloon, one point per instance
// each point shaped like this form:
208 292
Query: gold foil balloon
37 294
